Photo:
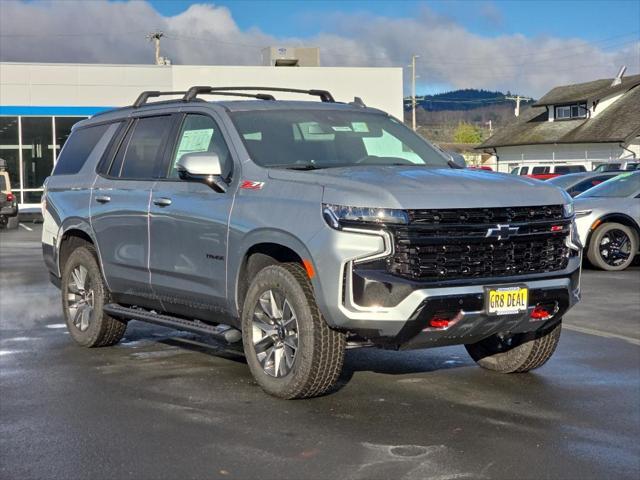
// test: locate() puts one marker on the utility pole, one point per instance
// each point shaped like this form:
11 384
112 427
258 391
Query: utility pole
155 37
517 98
490 127
413 91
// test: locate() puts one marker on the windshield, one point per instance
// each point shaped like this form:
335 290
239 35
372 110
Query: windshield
623 185
310 139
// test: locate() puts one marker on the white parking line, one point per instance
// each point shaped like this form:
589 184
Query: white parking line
26 228
599 333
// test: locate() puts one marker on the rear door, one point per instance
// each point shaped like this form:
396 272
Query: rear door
120 206
188 225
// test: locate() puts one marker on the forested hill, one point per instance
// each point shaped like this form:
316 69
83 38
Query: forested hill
467 99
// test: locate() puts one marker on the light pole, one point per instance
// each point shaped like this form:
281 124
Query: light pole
413 91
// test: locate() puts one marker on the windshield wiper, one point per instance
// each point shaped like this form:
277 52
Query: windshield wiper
308 166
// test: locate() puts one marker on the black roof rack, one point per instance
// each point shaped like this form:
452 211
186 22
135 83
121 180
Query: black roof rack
144 96
193 92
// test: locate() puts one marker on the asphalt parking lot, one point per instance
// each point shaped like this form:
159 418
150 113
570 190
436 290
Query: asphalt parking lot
164 404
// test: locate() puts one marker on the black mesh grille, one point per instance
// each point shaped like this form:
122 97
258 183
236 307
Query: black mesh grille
453 244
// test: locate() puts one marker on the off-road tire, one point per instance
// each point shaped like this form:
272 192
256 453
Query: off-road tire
318 361
12 223
593 252
526 351
103 330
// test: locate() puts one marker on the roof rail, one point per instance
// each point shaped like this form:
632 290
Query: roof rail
193 92
144 96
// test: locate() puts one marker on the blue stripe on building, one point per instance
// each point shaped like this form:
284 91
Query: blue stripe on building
50 110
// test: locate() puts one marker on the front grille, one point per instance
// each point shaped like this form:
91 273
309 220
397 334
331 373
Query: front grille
453 244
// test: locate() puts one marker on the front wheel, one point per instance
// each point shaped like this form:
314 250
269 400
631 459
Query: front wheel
612 247
516 353
290 349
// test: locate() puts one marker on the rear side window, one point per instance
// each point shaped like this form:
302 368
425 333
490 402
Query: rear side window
539 170
77 149
140 154
564 169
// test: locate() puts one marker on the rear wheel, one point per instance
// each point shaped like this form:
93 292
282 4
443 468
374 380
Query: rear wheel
290 349
83 296
516 353
612 247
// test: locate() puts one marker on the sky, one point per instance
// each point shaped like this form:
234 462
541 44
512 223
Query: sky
525 47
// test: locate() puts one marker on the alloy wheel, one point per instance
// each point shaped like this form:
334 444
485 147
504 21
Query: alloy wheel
615 247
275 333
81 298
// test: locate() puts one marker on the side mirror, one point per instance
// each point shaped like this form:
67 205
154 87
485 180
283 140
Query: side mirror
202 167
457 159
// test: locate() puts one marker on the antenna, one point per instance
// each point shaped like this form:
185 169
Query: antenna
618 79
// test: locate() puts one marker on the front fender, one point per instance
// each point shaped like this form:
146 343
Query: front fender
250 240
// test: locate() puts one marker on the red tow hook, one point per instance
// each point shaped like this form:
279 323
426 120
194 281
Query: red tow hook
544 312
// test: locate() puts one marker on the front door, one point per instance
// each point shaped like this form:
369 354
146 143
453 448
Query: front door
188 228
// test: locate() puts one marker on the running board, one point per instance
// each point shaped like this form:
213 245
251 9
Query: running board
221 331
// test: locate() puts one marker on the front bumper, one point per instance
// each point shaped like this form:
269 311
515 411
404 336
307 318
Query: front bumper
395 312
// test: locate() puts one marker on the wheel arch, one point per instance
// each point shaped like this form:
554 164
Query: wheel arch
72 232
260 249
617 217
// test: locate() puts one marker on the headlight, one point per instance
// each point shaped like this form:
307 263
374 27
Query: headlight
568 210
583 213
338 216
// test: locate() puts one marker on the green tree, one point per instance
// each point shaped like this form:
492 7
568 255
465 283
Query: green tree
467 133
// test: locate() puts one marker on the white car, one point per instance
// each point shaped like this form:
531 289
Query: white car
608 221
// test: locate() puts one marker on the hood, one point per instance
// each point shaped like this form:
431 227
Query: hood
420 187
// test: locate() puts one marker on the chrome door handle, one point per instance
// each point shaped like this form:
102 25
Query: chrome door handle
162 202
103 199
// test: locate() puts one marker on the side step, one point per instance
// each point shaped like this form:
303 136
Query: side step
221 331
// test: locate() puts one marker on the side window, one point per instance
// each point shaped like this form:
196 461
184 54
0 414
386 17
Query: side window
200 133
539 170
140 154
77 149
524 170
562 170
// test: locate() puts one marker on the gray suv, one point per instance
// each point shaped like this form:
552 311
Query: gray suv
302 228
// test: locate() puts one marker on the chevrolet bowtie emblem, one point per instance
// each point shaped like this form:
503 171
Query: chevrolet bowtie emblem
501 232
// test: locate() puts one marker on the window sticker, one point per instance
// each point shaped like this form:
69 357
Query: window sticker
342 129
194 141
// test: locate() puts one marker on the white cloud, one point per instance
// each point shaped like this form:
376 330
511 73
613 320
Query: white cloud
114 32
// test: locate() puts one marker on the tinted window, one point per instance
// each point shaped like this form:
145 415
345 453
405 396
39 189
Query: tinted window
524 170
140 153
78 148
200 133
3 184
539 170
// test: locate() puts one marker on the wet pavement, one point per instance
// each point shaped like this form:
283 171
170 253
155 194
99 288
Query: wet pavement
164 404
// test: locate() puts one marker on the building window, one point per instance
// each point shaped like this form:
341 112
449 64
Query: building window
564 112
10 150
41 139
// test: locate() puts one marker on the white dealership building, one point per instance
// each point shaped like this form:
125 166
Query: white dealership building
40 102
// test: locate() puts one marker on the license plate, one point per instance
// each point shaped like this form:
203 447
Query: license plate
506 300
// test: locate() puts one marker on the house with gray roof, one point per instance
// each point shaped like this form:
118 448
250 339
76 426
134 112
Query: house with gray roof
586 123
